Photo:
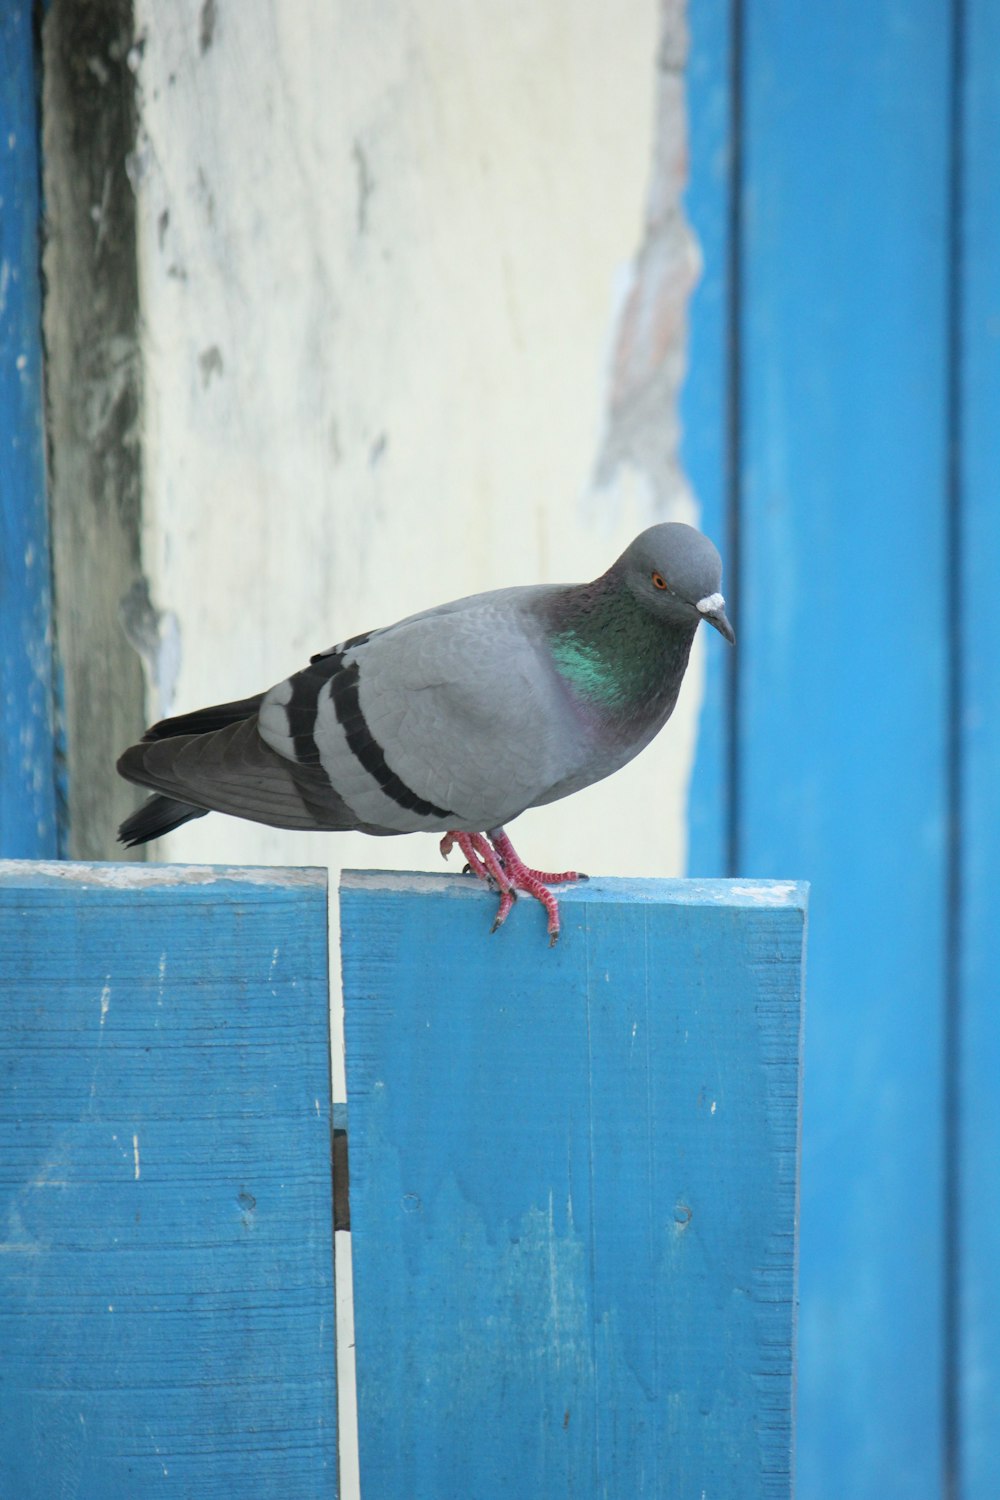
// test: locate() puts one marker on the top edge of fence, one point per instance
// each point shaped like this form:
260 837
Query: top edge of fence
26 873
790 894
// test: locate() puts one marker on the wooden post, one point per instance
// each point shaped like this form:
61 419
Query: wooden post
574 1185
972 1128
166 1231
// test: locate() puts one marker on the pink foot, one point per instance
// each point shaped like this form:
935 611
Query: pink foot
493 857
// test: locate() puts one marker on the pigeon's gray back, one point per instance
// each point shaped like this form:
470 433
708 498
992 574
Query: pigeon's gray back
454 718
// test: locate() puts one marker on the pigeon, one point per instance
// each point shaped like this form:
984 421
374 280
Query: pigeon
454 720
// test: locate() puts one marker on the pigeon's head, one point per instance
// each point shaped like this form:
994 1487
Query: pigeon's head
677 573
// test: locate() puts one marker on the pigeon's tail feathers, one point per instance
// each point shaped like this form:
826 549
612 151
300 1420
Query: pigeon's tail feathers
205 720
231 770
157 815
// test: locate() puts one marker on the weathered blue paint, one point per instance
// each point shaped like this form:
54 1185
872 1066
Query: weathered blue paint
837 235
979 604
27 744
166 1301
843 684
573 1188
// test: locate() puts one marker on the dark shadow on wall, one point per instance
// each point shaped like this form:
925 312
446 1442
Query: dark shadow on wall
94 399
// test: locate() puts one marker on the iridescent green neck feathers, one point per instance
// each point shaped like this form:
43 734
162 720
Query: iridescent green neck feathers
612 652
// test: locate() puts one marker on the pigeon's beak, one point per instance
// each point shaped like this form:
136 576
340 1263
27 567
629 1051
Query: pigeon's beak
722 625
713 612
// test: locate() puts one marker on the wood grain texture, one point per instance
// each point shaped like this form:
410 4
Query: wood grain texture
27 732
573 1188
979 1050
166 1302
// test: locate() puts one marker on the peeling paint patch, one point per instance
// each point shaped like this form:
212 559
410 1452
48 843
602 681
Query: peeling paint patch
135 1155
647 360
762 893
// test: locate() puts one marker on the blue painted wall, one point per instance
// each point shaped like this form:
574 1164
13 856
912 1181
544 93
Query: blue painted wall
843 435
28 822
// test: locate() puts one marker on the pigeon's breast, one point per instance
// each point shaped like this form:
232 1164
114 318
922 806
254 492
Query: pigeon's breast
615 714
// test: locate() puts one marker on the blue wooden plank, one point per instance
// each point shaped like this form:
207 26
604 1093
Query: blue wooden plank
166 1301
573 1188
844 683
27 745
704 405
979 603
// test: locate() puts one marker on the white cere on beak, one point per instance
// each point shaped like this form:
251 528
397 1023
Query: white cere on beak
710 604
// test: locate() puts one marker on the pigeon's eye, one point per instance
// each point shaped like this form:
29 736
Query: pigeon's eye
659 582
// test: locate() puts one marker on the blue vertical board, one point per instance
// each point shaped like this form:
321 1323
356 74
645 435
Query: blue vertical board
573 1188
705 400
166 1299
860 398
978 1092
27 754
843 684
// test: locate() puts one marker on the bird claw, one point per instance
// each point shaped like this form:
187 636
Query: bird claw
507 899
492 857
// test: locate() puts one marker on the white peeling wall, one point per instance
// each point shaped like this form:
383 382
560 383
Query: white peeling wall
412 280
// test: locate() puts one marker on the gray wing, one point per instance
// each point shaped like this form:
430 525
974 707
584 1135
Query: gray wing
450 719
227 769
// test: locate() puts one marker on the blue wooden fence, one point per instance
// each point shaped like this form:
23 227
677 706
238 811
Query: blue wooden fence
28 823
842 434
575 1181
573 1188
166 1235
